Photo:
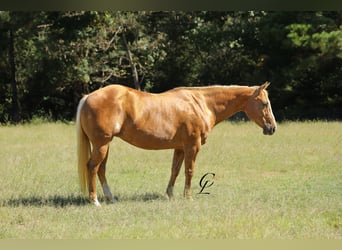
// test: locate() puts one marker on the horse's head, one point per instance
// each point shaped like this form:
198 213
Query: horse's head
259 110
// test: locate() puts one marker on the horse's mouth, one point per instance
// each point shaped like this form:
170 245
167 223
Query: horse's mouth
269 129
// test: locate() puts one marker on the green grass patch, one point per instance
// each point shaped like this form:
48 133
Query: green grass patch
285 186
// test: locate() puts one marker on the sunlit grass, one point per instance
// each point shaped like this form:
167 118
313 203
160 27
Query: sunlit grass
288 185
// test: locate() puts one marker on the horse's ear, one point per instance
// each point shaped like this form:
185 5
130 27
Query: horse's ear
260 88
265 85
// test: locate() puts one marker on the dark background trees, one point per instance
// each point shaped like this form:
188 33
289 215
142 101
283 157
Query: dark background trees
49 59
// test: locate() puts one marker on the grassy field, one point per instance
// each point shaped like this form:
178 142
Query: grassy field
285 186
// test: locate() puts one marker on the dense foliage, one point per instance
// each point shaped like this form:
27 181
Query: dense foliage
49 59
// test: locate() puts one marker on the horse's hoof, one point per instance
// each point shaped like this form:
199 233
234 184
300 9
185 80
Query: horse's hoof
112 200
189 198
97 203
170 198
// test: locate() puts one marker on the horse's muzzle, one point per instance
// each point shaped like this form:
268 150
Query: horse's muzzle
269 129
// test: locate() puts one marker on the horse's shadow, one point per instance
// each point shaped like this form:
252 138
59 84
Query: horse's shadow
143 197
51 201
59 201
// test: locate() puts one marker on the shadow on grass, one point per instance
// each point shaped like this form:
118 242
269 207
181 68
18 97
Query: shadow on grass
52 201
144 197
72 200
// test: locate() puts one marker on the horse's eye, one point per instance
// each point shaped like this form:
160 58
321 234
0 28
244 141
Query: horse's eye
265 105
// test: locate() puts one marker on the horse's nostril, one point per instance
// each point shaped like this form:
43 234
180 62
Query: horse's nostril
269 129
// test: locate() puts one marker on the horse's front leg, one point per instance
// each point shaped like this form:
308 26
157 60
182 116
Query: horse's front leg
189 160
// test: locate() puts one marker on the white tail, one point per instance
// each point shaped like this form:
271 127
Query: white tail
83 150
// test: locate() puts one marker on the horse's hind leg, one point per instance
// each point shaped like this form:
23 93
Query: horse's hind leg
98 155
102 177
178 157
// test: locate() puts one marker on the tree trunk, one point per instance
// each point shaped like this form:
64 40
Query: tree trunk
132 64
15 112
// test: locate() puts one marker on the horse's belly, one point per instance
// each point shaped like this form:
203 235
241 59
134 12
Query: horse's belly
150 139
150 142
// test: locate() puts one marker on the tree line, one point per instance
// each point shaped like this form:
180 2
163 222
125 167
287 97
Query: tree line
49 59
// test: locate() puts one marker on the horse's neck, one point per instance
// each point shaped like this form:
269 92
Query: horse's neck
225 101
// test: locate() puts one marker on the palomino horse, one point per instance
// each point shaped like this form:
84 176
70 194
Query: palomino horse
178 119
